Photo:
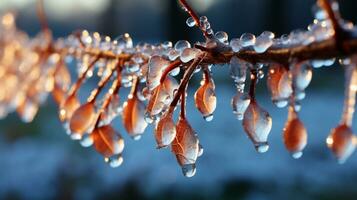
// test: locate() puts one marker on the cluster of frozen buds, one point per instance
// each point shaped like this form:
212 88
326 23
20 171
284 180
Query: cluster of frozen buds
38 66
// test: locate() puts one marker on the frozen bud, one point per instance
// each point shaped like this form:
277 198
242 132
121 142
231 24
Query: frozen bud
279 83
185 147
257 124
134 117
205 99
82 120
107 141
68 107
27 110
340 141
238 70
165 131
295 135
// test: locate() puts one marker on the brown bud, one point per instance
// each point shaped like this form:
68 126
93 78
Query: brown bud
295 136
82 120
206 100
165 131
340 141
279 84
68 107
107 141
134 117
257 124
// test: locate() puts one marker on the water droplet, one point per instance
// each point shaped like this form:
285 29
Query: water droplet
182 45
189 54
200 150
136 137
235 44
175 71
173 54
190 22
86 140
297 155
221 36
280 103
189 170
247 39
263 42
149 118
262 147
238 70
124 41
302 75
208 118
114 161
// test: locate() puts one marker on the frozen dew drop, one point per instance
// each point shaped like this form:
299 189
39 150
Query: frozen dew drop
189 170
238 69
263 42
114 161
297 155
190 22
302 74
208 118
86 140
149 118
329 62
317 63
262 147
235 44
175 71
280 103
182 45
173 54
189 54
136 137
221 36
124 41
247 39
200 150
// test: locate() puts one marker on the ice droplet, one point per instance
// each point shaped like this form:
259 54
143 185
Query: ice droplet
189 54
136 137
182 45
208 118
189 170
247 39
297 155
262 147
235 44
114 161
86 140
221 36
200 150
190 22
263 42
238 70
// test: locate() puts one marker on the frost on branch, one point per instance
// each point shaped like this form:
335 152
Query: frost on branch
31 68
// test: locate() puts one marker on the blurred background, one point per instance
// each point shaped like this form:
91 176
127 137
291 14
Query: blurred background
39 161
